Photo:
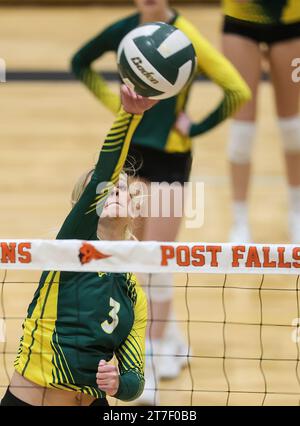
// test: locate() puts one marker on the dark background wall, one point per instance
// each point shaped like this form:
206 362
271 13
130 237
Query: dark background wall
87 2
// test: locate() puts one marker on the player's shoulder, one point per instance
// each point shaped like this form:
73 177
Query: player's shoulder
124 25
186 26
201 45
190 30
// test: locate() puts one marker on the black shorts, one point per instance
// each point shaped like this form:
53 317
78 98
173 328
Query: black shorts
159 166
261 33
9 400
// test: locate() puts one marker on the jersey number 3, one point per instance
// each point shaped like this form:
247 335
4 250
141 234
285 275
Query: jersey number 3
109 327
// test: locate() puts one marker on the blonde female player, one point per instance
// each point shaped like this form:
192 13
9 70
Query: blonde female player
78 321
247 25
162 144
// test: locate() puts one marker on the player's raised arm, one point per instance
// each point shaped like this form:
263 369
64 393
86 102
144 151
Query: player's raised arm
82 221
217 68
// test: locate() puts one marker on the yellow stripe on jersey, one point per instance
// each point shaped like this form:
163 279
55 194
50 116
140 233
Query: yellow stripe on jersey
121 144
114 143
132 345
177 142
260 11
40 358
61 362
214 65
117 130
111 149
36 360
135 121
131 354
101 90
114 136
292 12
120 122
125 359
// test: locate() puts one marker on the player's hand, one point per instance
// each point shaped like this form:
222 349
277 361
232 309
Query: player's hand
107 378
134 103
183 124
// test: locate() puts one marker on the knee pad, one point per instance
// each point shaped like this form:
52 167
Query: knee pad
158 287
242 134
290 133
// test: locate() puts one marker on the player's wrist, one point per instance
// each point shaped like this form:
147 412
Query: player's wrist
115 385
194 130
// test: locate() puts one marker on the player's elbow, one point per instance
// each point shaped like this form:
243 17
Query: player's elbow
136 391
76 64
131 387
245 93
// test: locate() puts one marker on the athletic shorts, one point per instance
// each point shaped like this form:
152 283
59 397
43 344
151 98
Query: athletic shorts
9 400
261 33
159 166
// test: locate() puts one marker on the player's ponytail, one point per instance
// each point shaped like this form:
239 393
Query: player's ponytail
80 186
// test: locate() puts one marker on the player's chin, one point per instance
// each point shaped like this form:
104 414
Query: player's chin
116 211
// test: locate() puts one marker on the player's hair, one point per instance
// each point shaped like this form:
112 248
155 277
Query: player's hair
80 186
82 183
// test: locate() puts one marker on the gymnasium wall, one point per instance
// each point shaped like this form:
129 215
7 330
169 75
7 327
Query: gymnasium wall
87 2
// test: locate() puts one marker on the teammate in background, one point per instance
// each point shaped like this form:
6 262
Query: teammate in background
247 25
76 322
162 144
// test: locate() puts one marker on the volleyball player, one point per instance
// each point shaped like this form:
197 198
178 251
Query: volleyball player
248 26
76 322
162 144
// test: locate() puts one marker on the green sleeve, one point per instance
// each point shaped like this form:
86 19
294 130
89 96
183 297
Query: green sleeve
236 92
131 354
217 68
131 386
106 41
82 221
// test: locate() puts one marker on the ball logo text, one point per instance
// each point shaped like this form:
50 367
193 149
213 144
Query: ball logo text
138 63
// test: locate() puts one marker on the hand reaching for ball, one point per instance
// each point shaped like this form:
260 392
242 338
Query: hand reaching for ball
133 103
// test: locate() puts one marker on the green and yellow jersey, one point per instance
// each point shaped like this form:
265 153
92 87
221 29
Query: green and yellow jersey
77 319
154 132
263 11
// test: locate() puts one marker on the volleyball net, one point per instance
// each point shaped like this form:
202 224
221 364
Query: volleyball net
237 305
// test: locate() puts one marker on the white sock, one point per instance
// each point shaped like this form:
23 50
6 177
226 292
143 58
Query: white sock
294 192
240 212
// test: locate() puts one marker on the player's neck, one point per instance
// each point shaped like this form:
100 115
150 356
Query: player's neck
163 16
111 230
